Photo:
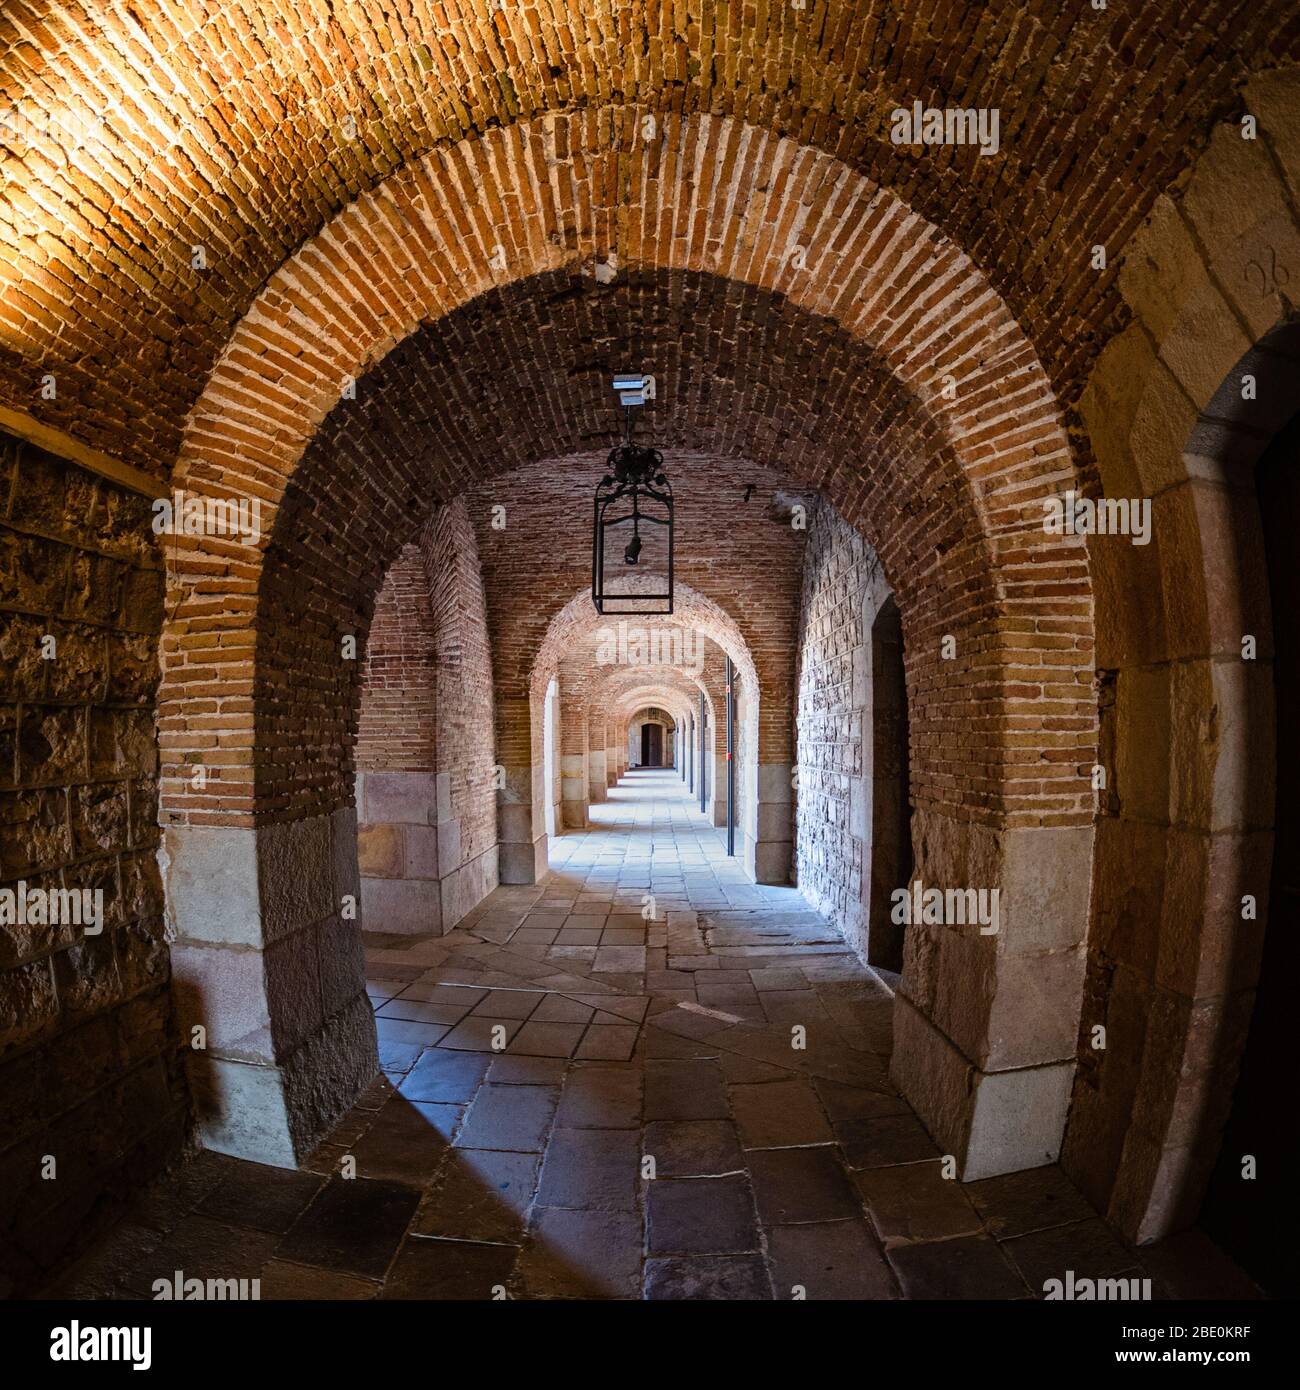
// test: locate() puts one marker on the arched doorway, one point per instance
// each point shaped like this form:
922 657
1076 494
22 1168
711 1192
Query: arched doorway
653 738
1252 1207
889 799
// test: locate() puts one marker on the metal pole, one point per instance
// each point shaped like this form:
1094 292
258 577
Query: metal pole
703 763
731 762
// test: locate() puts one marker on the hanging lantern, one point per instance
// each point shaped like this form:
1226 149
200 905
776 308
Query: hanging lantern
632 537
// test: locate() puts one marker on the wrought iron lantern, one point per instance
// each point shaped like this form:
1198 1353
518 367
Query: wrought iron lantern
632 535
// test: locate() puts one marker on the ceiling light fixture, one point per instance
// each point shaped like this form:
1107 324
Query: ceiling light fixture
634 493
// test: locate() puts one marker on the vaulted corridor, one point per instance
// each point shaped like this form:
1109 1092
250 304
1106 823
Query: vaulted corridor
647 652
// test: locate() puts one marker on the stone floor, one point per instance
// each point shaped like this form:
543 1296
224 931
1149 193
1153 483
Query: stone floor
646 1078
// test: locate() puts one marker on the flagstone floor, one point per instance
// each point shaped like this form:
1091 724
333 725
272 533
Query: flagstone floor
645 1078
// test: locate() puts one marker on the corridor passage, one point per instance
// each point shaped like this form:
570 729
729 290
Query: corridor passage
580 1101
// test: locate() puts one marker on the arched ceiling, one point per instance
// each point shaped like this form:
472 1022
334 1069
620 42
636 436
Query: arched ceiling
653 711
137 132
521 375
601 686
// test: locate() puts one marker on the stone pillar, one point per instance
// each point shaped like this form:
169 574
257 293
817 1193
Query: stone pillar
574 779
267 961
596 775
398 850
523 853
773 846
520 801
718 780
986 1025
573 797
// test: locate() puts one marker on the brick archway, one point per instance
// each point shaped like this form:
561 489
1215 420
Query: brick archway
961 433
888 278
681 694
765 752
678 694
477 169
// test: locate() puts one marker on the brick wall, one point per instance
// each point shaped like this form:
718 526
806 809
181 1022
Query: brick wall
425 794
398 717
90 1069
727 550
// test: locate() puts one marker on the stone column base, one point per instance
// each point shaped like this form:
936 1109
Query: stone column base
524 863
773 846
269 980
278 1113
522 843
573 791
465 887
991 1122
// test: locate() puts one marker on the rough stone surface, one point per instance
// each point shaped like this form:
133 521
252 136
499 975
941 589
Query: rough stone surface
90 1064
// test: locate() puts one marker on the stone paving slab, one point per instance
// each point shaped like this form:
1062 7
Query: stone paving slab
579 1102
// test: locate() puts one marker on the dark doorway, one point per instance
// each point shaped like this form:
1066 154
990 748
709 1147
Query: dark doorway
1257 1220
652 745
890 796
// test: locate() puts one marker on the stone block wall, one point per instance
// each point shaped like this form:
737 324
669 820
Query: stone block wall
1184 830
267 959
90 1063
843 590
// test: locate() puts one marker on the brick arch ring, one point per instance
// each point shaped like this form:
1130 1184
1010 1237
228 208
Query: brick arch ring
998 630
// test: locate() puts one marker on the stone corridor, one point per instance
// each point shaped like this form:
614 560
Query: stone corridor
421 423
539 1058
